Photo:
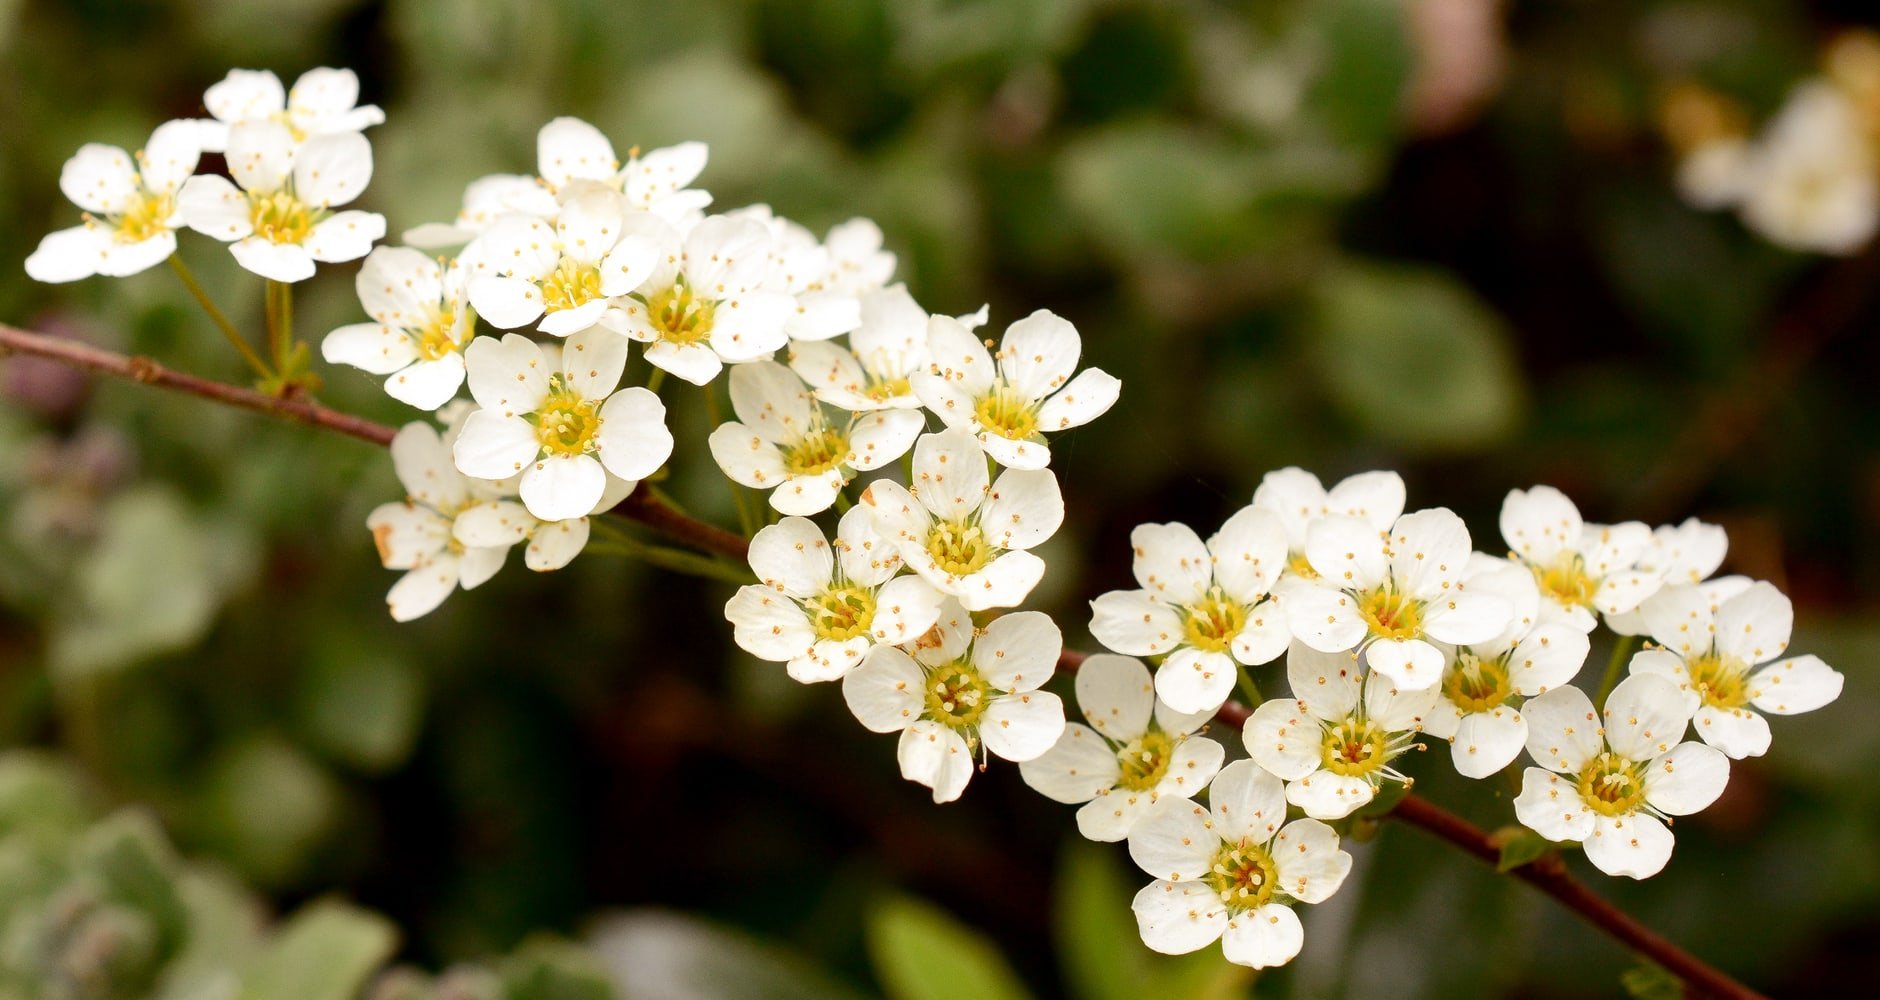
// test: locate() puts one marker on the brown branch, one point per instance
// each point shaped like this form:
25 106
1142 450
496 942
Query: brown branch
1547 875
1550 875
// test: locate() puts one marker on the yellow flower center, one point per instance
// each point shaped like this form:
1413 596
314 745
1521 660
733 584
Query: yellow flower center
1298 565
841 613
1214 621
566 424
679 316
1244 875
1720 680
956 695
1567 582
437 339
148 216
1354 747
1612 785
1391 614
1144 761
882 390
570 285
822 449
280 217
1474 684
960 548
1005 413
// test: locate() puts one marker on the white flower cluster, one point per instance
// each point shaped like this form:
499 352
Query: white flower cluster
294 156
1810 181
1393 627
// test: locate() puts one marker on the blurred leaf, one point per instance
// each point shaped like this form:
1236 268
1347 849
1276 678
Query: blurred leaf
325 951
1413 357
361 705
128 858
225 929
1100 950
267 806
666 956
42 796
1365 60
921 953
1651 982
148 587
1519 846
554 970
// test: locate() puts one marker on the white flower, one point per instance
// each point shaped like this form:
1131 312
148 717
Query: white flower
1612 784
485 200
1678 554
1203 607
130 203
1135 751
564 272
1231 872
702 305
563 429
1298 498
1010 403
961 690
968 538
1716 174
1581 568
280 220
820 611
797 267
1811 181
1712 650
1335 739
571 152
1393 593
885 350
1481 684
323 102
857 263
784 442
419 329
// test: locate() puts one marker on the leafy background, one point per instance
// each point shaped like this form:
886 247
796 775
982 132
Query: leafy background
1435 236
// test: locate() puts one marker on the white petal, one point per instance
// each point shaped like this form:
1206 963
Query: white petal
1488 741
1074 770
885 691
961 363
287 262
695 363
345 236
124 259
507 376
1394 707
1116 694
1755 624
1550 655
1325 795
1636 846
424 467
552 546
1194 762
1134 623
1112 817
949 474
1175 918
876 439
1347 552
1798 684
420 591
1024 508
100 178
562 487
507 303
1328 683
1687 779
633 440
244 94
1551 806
1018 652
1022 726
215 208
1375 497
428 385
569 149
772 400
477 565
1283 737
1298 499
493 523
370 347
406 534
1463 618
904 610
1192 680
332 169
588 226
1738 732
1263 938
1087 397
867 557
69 254
751 326
1311 867
260 155
768 625
1430 551
1171 562
1645 716
937 757
492 446
746 458
1411 664
1249 553
793 556
1039 353
1248 803
1174 840
1265 635
1563 729
1539 523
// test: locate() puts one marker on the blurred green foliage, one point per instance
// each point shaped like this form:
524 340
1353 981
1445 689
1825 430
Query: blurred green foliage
1256 219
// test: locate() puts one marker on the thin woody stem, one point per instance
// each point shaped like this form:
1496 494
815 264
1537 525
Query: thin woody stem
643 505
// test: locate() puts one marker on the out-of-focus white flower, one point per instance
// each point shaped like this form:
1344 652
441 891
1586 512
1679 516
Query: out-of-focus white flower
1204 607
1393 594
1581 568
822 607
485 200
1334 740
1011 402
968 537
564 273
562 427
962 692
419 329
322 102
571 152
130 203
887 347
1811 182
784 442
1231 870
280 219
1716 174
1685 553
1135 751
1609 786
1298 499
1712 650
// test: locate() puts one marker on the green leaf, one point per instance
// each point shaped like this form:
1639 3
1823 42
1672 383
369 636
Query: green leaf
1519 846
547 969
1414 358
325 952
361 705
42 796
266 805
128 858
654 955
1649 981
1101 951
921 953
1364 63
